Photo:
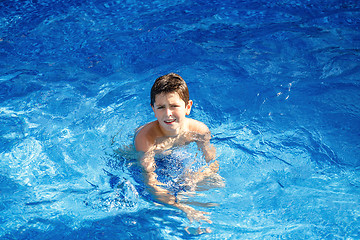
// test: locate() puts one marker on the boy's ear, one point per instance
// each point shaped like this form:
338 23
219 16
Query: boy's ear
152 107
188 107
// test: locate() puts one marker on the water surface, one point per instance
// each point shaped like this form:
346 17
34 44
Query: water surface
276 82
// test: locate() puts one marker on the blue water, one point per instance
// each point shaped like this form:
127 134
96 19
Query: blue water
277 82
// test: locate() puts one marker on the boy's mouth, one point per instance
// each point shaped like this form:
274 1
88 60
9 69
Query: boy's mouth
169 121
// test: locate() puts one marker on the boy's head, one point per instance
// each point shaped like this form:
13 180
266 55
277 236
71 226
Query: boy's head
170 83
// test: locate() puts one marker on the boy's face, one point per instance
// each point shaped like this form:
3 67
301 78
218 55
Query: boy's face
170 111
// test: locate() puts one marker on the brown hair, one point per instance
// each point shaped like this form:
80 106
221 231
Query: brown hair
170 83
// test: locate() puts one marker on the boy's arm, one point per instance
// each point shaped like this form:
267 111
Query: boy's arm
145 144
208 149
203 140
150 177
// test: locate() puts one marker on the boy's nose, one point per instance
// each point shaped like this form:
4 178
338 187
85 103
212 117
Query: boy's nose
168 112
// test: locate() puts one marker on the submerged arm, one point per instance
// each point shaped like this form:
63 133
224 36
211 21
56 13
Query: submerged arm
150 178
209 151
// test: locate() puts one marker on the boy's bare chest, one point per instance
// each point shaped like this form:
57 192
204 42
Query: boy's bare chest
166 143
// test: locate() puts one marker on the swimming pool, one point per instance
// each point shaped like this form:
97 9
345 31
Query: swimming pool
277 82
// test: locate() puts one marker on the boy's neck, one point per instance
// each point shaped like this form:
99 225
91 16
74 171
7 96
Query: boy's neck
179 131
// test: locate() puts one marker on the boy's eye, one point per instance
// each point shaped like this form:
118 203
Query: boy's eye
160 107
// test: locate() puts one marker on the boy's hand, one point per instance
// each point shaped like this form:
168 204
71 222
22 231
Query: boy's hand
214 167
193 214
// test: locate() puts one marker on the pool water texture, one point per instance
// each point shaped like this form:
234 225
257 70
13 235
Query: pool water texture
277 82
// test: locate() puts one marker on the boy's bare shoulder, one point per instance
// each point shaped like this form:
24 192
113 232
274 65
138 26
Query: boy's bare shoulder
198 127
145 137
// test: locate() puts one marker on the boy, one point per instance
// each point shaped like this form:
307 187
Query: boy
171 104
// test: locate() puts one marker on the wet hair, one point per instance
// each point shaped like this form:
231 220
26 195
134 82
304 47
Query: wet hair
170 83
